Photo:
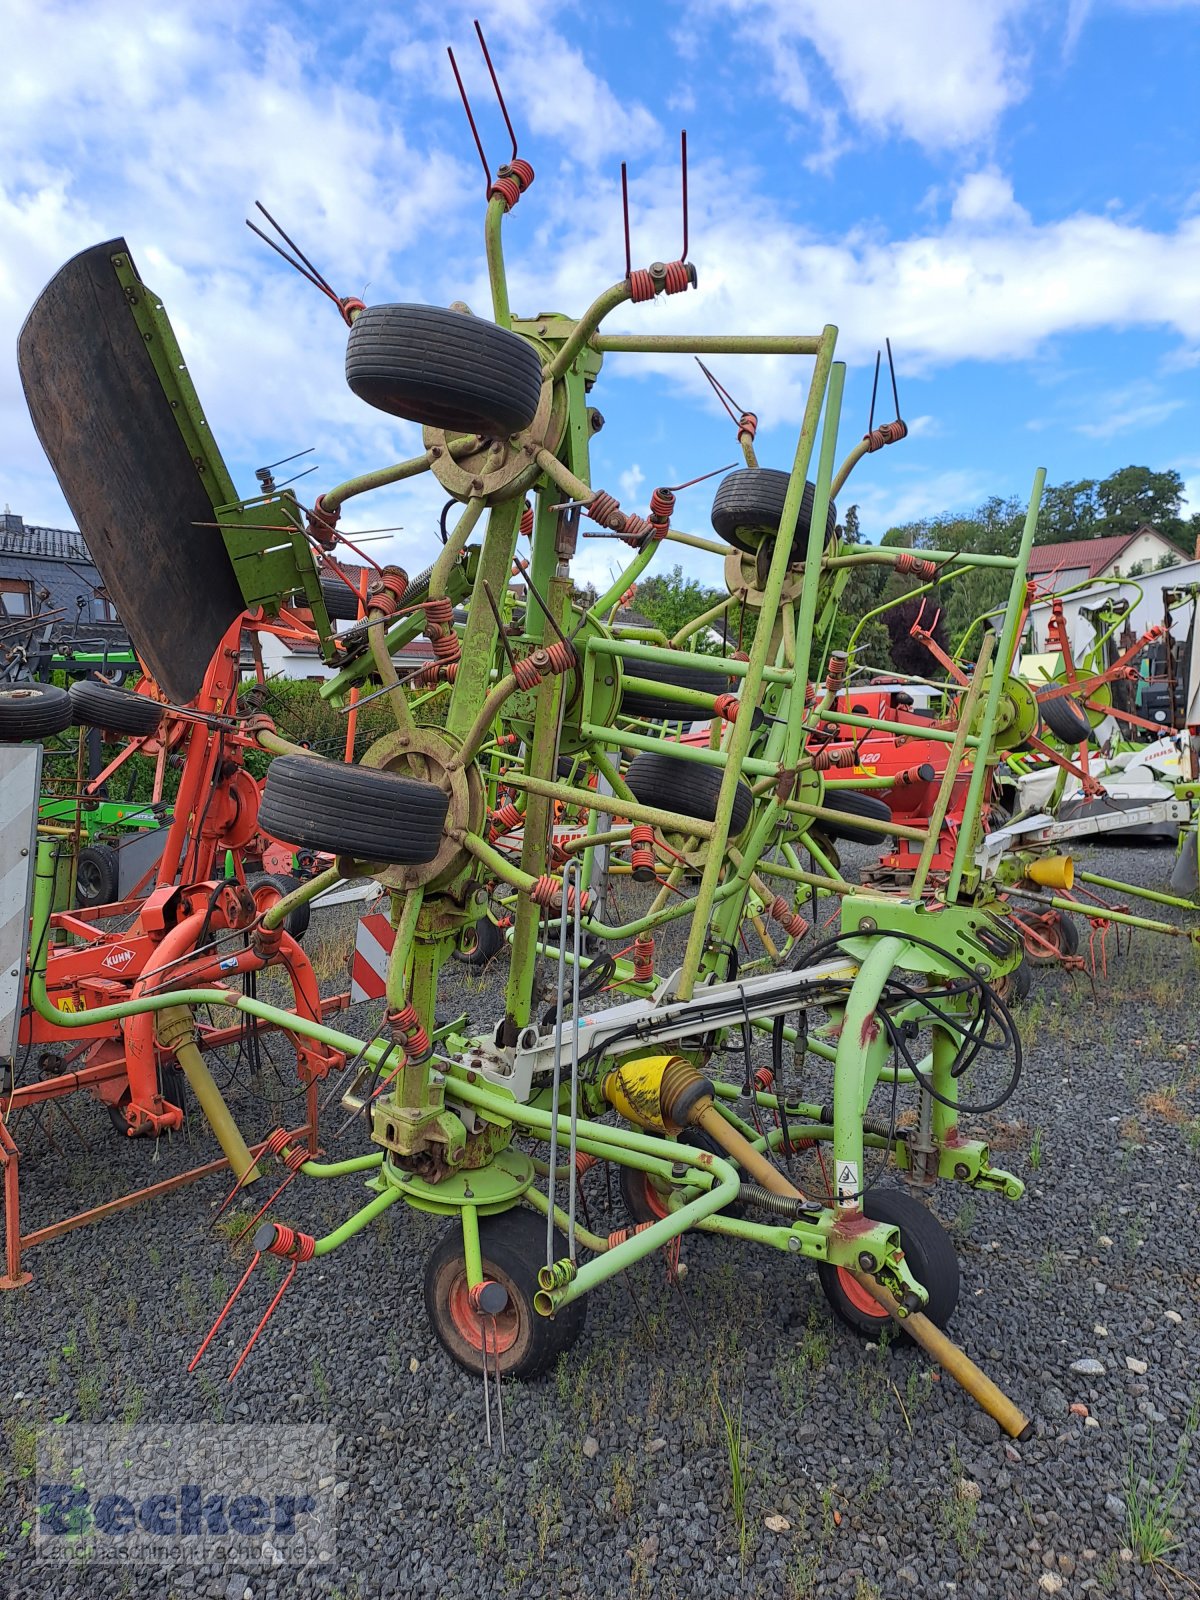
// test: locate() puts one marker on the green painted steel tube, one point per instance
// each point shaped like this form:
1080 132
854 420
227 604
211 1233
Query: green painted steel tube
1014 611
540 1202
631 650
851 719
694 542
954 758
385 669
703 620
334 499
739 744
632 810
453 548
375 1207
342 1169
493 223
217 1114
879 555
583 330
472 1255
634 570
1129 888
715 344
699 755
859 1036
277 914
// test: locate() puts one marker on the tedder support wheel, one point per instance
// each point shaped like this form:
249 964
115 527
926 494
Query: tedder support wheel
1058 929
268 889
353 811
853 804
513 1247
97 876
97 705
489 941
677 784
1066 719
645 1203
1014 986
341 602
928 1251
639 703
446 369
33 711
748 506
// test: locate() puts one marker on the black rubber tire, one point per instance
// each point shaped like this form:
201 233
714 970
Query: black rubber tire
853 803
97 876
513 1247
637 703
636 1189
352 811
1066 719
748 505
33 711
1014 986
928 1250
1065 935
341 603
676 784
97 705
444 368
489 941
269 887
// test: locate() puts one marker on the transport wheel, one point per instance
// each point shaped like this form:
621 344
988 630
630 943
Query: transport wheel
1014 986
1066 719
268 889
489 941
97 876
677 784
1057 929
97 705
33 711
352 811
748 505
928 1251
850 803
341 603
645 1203
513 1248
444 368
640 703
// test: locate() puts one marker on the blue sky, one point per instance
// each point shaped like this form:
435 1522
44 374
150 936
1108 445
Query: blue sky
1010 189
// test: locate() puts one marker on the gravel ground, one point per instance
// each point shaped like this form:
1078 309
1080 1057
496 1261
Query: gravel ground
865 1475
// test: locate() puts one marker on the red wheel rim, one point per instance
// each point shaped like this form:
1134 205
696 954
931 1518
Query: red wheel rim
654 1201
859 1297
469 1325
265 895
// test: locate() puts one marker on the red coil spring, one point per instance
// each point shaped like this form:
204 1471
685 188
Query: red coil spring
643 958
641 837
526 673
790 921
504 819
846 756
512 180
438 672
447 646
909 775
888 433
349 307
662 504
920 568
407 1030
275 1144
680 275
764 1080
292 1244
747 426
439 612
584 1162
635 530
548 892
727 706
620 1235
561 656
836 672
386 593
602 507
322 524
527 521
641 286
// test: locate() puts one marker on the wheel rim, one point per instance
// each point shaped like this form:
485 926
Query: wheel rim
860 1297
654 1201
265 895
470 1326
87 880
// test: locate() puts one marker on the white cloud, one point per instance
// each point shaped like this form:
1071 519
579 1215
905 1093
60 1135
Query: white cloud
941 74
1132 419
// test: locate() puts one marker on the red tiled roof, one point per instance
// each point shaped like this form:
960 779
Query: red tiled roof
1092 554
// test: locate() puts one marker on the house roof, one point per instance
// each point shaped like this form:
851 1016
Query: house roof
17 538
1092 555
